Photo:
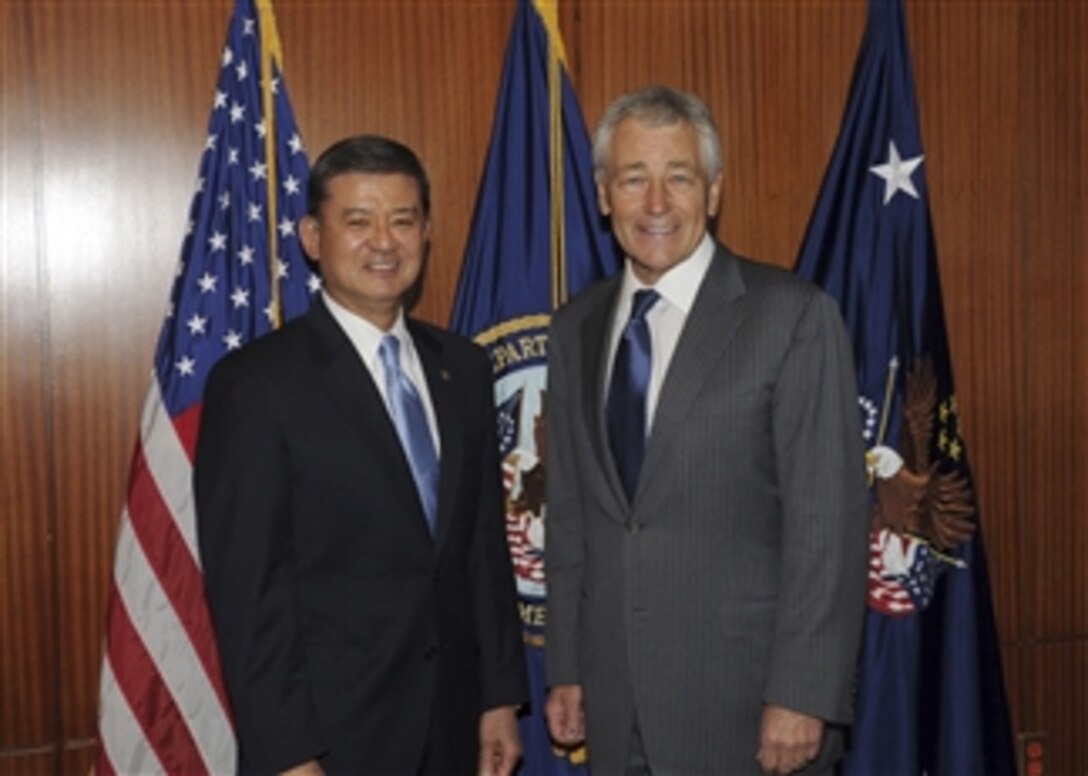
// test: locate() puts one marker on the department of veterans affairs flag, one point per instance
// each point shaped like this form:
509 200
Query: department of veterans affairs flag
536 238
931 699
163 707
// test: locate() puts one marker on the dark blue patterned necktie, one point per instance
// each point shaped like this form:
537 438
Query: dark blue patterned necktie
627 392
410 419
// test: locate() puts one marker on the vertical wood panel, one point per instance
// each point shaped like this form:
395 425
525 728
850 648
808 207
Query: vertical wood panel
1048 307
971 129
127 102
28 658
1077 575
103 110
1057 675
29 764
775 75
422 71
1052 270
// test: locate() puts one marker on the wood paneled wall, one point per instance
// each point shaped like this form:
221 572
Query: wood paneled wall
103 108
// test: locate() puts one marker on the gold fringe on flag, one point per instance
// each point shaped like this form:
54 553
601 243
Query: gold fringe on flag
271 53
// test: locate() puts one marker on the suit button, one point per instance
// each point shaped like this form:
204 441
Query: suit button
633 528
430 652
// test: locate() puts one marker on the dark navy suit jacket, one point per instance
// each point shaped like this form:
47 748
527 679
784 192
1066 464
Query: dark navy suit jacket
344 627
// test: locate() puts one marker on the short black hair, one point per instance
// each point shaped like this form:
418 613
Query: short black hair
365 153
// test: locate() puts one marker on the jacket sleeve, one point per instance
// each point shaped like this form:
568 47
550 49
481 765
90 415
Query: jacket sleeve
503 679
825 502
563 556
243 507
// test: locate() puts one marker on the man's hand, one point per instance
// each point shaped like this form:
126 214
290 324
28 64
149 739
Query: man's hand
788 740
566 719
500 746
308 768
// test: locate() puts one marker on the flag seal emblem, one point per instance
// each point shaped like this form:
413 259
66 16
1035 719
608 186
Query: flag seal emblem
922 511
518 351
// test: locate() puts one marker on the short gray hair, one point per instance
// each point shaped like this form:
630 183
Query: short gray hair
659 106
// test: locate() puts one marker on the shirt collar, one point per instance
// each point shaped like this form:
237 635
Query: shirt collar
679 285
364 335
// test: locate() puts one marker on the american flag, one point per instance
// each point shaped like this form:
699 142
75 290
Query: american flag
163 707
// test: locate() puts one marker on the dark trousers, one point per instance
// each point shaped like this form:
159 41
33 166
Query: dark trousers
637 762
436 761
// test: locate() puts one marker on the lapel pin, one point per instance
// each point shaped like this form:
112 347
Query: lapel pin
445 375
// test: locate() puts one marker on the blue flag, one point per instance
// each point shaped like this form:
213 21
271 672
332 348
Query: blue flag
930 695
536 239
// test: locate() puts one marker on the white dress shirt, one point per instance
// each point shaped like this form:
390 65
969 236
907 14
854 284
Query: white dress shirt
666 318
367 338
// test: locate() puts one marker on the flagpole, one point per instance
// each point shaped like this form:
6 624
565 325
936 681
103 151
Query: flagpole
515 274
889 395
271 52
549 13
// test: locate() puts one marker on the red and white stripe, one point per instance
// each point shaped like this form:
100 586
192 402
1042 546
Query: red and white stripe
524 556
163 706
509 475
885 595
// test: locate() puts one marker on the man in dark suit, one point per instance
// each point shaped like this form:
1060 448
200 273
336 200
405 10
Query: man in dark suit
707 504
349 510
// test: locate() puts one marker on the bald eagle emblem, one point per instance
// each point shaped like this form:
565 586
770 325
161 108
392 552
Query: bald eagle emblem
923 509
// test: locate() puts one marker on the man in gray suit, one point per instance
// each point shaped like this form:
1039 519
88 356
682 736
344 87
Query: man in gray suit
707 504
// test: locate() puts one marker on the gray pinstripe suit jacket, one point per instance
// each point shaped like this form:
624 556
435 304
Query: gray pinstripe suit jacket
737 575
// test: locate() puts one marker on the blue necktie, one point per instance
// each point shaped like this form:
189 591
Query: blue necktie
411 421
627 392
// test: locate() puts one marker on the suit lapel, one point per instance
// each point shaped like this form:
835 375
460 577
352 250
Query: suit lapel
349 383
715 316
596 328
